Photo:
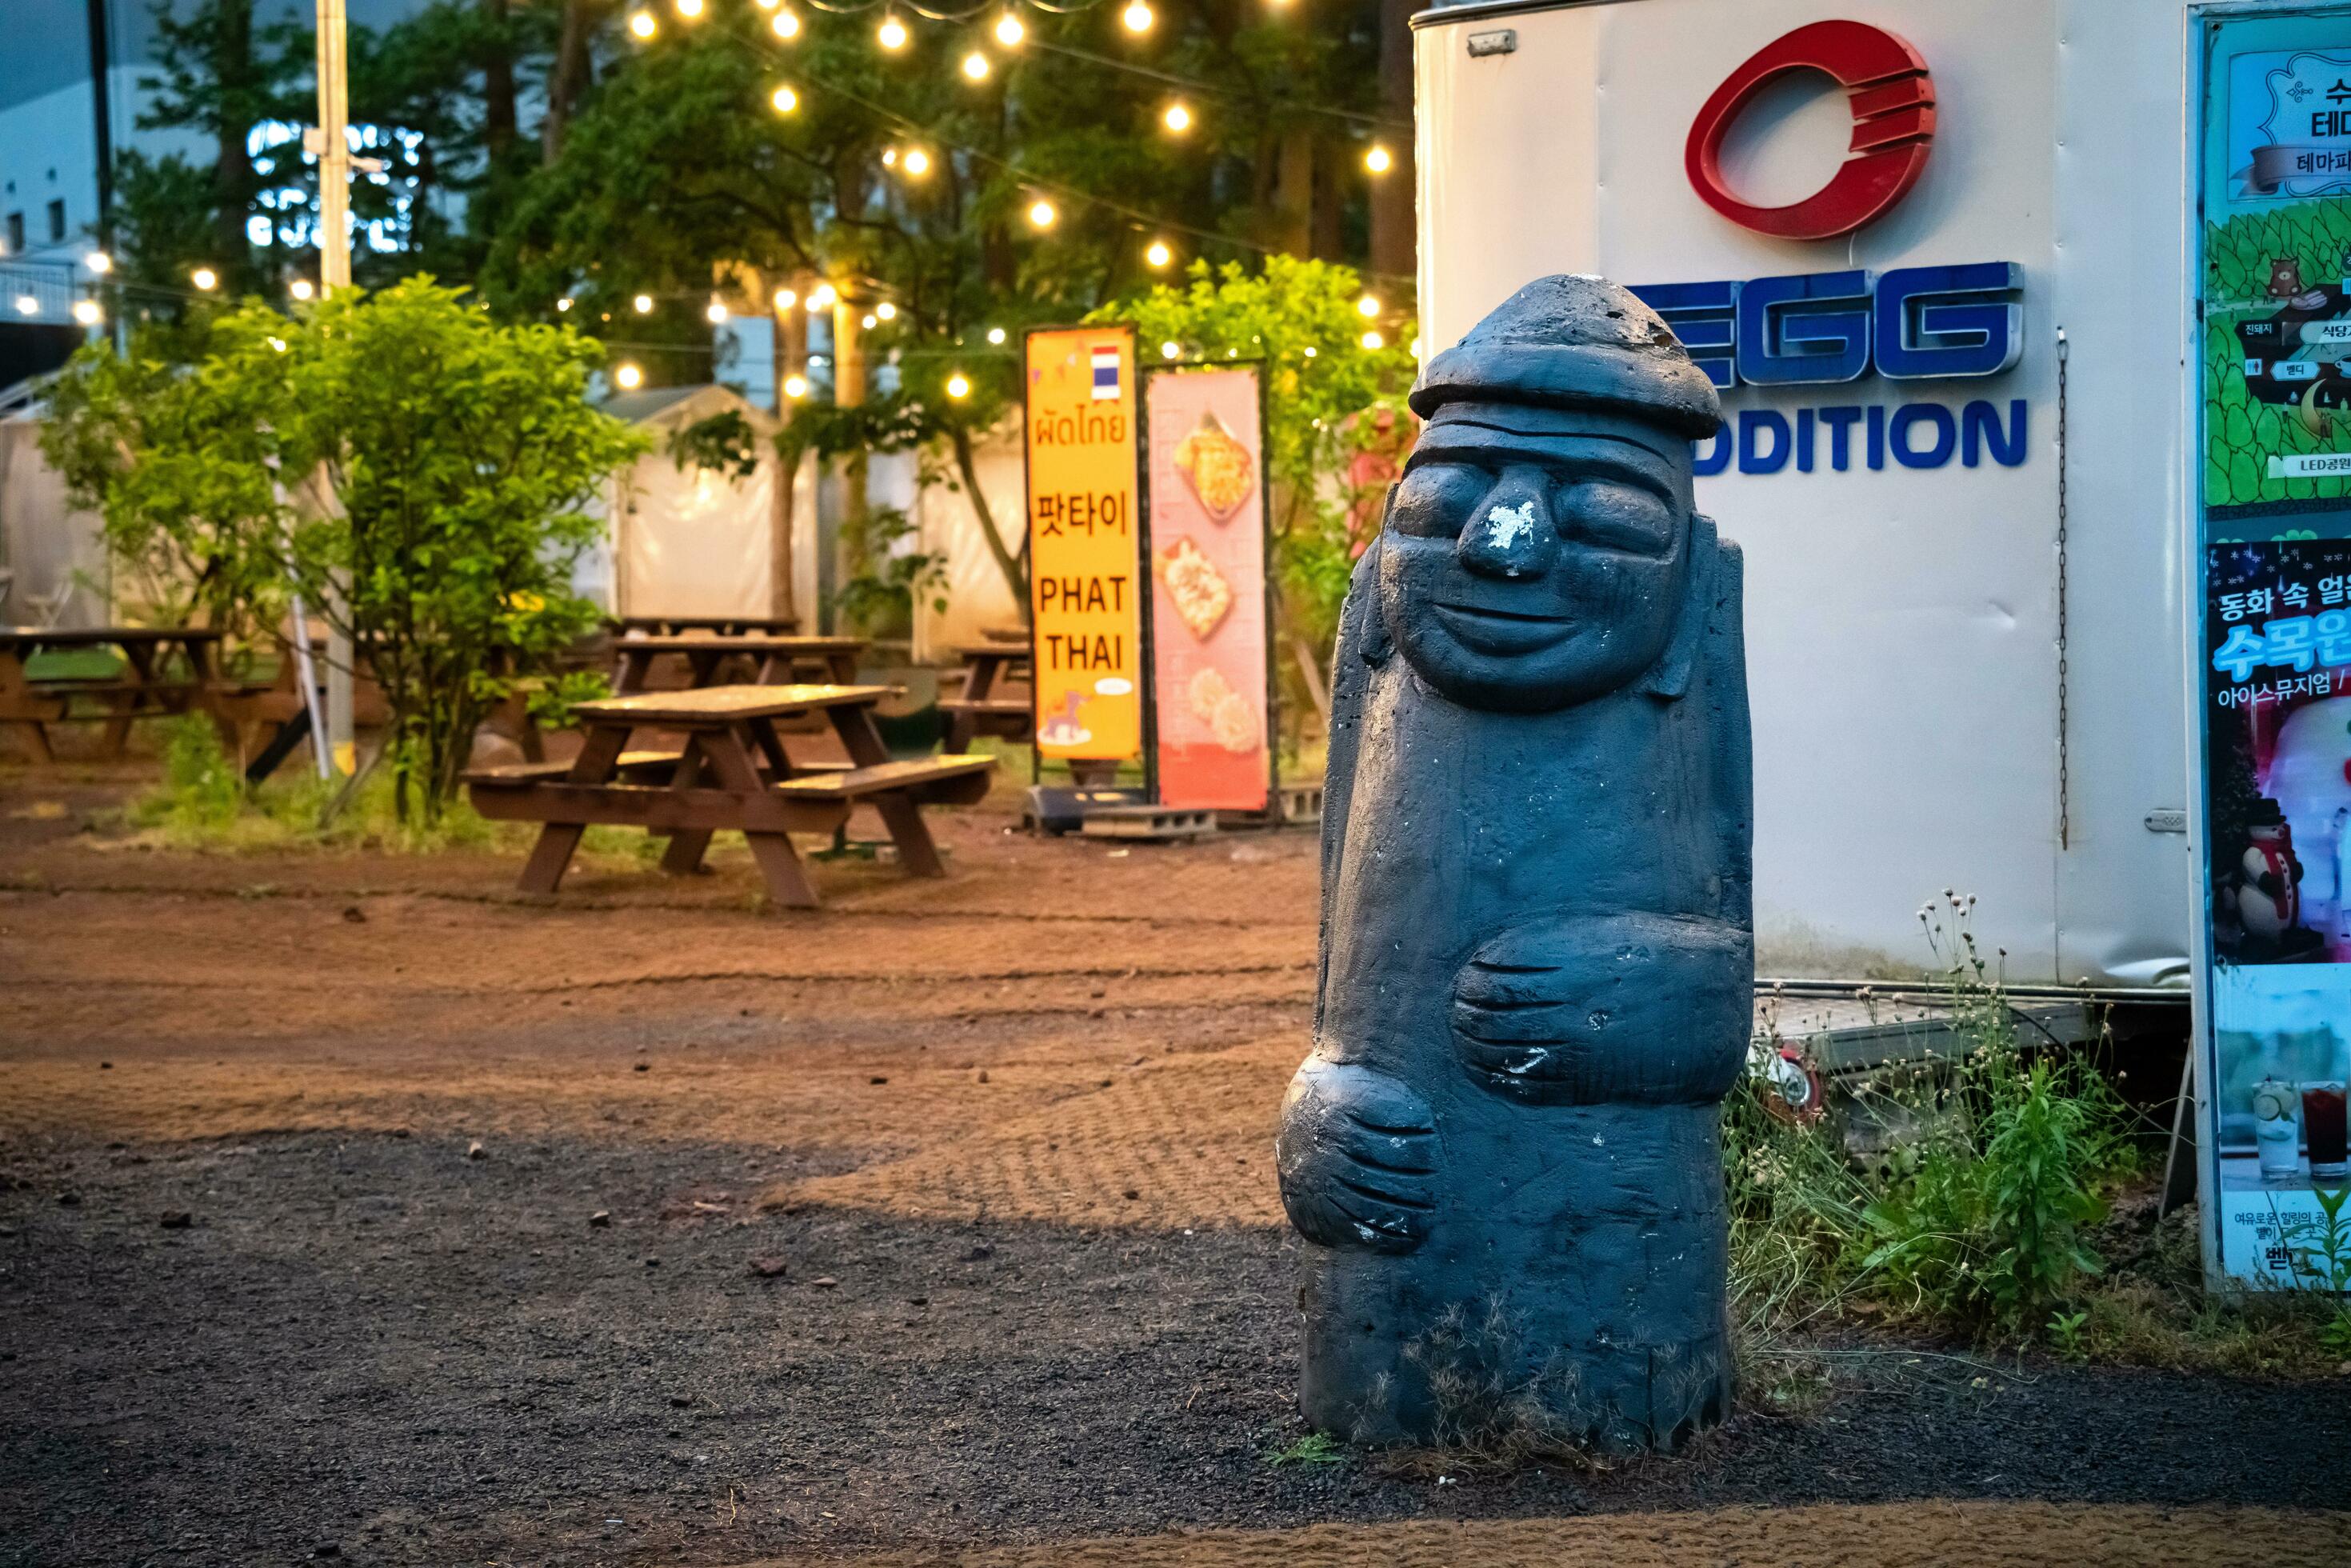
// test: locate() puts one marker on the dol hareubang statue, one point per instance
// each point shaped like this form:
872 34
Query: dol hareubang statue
1538 949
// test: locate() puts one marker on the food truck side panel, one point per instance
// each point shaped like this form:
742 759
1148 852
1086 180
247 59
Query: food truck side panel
1904 604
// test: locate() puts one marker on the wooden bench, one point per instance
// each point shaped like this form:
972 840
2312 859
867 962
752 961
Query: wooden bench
138 690
984 707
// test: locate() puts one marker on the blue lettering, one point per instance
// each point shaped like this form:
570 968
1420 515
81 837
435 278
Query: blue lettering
1804 441
1702 315
1841 421
1979 428
1716 457
1911 415
1876 438
1808 328
1752 423
1949 320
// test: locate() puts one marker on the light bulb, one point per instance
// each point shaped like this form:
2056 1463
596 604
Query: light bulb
996 336
97 261
975 65
644 303
278 345
1137 17
1157 254
892 33
1170 349
916 163
717 313
886 311
85 311
627 377
689 9
785 99
868 322
1376 159
1416 348
1369 305
29 306
958 385
786 25
1177 117
205 279
1009 30
564 303
1041 213
1310 351
302 288
642 24
784 300
796 387
822 297
889 157
765 4
1372 339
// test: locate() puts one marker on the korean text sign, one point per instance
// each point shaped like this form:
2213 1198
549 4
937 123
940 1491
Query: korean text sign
1207 606
1083 542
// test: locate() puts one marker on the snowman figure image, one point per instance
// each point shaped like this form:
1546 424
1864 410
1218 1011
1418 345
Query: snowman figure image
2269 889
1538 953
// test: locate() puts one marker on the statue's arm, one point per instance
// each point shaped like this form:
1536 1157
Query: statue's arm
1734 741
1361 641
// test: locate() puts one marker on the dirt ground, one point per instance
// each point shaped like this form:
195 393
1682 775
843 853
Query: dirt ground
356 1206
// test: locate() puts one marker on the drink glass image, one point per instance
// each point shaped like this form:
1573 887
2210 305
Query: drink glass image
2323 1128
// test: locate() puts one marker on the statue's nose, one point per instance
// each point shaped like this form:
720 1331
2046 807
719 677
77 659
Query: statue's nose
1511 535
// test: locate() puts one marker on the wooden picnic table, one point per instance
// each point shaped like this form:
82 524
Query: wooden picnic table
140 690
985 706
777 659
734 771
722 625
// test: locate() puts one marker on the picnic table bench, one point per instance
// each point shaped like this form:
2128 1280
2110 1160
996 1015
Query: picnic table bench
734 771
985 706
140 689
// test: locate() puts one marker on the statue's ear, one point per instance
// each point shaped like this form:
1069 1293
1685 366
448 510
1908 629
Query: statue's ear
1371 627
1669 677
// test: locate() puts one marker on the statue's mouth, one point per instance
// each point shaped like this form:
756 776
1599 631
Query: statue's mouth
1488 629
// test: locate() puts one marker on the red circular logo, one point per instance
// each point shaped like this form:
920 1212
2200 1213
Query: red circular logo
1893 129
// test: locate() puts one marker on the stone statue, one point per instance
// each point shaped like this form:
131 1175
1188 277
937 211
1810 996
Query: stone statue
1538 943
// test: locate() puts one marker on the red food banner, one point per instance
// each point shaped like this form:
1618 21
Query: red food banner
1211 694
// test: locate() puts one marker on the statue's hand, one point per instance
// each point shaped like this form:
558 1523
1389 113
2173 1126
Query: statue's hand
1356 1152
1600 1009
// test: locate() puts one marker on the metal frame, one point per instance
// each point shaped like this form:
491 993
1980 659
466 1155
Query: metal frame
1258 366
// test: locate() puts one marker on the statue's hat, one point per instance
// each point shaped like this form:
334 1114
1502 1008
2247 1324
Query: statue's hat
1574 341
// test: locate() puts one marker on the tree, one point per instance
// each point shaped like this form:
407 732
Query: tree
462 457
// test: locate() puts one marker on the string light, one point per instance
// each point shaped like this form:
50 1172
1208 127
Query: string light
996 336
1158 253
564 303
1009 30
1416 348
1170 349
278 344
85 311
302 288
786 25
1377 160
205 279
766 4
1177 117
28 305
689 9
627 377
1310 351
1369 305
716 314
796 387
785 99
958 385
891 32
1041 213
644 303
1137 17
97 261
887 311
1373 339
916 163
642 24
823 297
784 300
868 322
889 157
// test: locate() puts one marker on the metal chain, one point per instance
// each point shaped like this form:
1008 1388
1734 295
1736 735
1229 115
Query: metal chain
2064 818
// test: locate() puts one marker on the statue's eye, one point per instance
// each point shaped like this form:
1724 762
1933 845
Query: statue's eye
1617 516
1435 499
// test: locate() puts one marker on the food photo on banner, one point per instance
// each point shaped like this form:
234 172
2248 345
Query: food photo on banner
1209 644
2275 608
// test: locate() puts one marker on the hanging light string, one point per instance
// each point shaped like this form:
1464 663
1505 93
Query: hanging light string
1216 89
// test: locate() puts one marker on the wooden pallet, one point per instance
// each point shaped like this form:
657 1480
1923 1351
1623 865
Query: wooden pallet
1164 824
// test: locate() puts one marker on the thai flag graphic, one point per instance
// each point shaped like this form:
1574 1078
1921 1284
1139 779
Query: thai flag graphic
1106 373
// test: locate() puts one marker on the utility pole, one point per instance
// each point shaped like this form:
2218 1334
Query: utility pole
330 144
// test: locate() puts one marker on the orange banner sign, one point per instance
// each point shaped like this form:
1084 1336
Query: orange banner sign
1082 543
1208 644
